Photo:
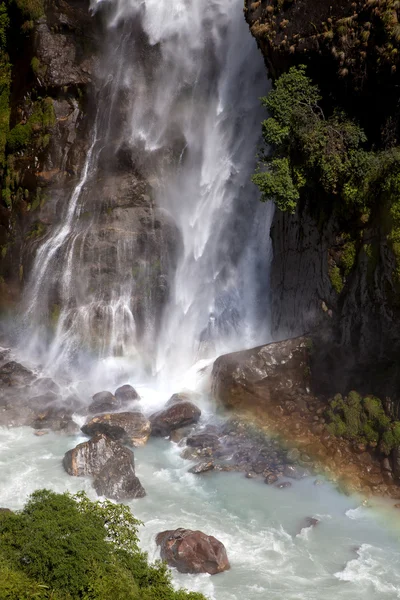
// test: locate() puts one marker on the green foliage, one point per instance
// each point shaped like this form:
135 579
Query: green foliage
5 81
326 159
277 183
31 9
41 120
304 142
362 420
336 278
67 547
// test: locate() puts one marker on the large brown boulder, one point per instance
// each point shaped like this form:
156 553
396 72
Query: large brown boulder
262 376
174 417
111 464
128 427
192 551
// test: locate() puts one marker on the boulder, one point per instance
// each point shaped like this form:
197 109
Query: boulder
104 402
55 418
126 393
111 464
203 440
182 397
202 467
174 417
128 427
295 472
192 551
14 374
117 479
261 377
88 458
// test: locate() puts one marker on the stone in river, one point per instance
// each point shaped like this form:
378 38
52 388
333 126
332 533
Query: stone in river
174 417
192 551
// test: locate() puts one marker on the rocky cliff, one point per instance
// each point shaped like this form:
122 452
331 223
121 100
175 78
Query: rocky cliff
50 52
334 272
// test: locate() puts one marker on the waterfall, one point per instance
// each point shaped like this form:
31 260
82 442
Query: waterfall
162 251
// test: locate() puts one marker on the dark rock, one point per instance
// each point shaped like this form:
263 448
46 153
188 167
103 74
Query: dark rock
309 522
283 485
104 402
271 478
56 419
126 393
117 479
14 374
174 417
182 397
396 463
192 551
5 511
261 377
88 458
112 465
180 434
203 440
293 455
128 427
202 467
294 472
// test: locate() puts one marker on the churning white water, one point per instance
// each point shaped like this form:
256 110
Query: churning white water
179 92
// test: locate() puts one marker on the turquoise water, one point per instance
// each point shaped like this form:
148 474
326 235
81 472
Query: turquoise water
352 553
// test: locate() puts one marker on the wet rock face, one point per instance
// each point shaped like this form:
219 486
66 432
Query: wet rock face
396 463
128 427
111 464
174 417
192 551
90 457
117 480
261 376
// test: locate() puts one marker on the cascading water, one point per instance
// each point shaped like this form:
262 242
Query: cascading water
179 105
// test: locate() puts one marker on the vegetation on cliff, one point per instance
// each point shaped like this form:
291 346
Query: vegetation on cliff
363 420
68 548
326 160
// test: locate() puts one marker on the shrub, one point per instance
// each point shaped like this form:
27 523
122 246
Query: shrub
69 548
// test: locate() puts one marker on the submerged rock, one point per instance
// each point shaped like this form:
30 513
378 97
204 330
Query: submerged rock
174 417
126 393
283 485
128 427
104 402
192 551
